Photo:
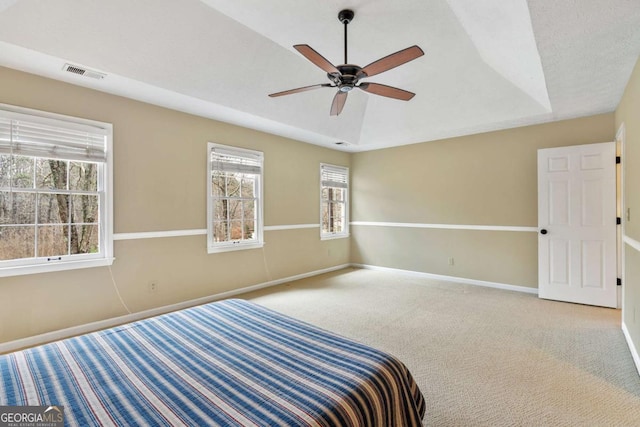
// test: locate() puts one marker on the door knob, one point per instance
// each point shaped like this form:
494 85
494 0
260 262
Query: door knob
543 231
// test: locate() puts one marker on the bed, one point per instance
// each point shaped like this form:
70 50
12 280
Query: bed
228 363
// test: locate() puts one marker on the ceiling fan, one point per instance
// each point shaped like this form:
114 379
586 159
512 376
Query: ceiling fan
347 76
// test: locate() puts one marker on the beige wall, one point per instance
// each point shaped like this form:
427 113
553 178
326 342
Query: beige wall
160 169
484 179
160 185
628 113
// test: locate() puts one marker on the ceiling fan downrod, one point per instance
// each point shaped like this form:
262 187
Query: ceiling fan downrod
345 16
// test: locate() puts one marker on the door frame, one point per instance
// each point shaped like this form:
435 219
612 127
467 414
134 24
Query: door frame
620 148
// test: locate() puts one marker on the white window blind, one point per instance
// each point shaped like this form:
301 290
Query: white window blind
236 161
334 176
50 138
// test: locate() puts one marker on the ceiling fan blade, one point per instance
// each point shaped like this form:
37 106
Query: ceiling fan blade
316 58
388 91
298 90
393 60
338 103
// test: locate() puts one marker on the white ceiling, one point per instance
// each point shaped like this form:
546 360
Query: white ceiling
488 65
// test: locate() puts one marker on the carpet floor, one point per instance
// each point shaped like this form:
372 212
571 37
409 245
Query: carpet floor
481 356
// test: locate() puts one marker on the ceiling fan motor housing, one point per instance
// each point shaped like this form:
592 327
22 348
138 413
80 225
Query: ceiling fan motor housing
349 75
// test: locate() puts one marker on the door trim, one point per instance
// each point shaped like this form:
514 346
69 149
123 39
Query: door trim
620 143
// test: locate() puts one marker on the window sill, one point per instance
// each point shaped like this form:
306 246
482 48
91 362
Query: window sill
231 248
334 236
59 266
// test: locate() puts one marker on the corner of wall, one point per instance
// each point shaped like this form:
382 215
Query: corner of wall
632 347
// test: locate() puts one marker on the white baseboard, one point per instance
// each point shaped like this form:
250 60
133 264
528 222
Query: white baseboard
632 347
464 280
35 340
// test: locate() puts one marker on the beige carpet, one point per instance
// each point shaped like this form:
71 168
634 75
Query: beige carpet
481 356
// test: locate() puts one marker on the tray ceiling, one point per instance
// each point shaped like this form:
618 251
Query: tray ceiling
488 65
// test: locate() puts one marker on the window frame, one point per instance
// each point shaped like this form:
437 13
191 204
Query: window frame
33 265
235 245
326 235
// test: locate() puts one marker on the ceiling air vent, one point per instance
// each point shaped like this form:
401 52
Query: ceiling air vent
81 71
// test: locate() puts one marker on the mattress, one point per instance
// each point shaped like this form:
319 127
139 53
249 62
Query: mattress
228 363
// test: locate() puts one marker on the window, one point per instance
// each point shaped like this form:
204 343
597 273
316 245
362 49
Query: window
55 192
234 198
334 201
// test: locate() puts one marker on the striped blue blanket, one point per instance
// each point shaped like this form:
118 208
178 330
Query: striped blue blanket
229 363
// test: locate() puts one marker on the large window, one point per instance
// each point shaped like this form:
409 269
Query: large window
334 201
55 198
234 198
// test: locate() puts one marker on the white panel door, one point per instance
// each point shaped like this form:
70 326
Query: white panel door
577 224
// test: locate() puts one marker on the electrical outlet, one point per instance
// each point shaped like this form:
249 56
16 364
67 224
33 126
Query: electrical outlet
451 260
153 286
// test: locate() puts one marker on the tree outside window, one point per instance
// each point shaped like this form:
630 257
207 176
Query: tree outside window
48 207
